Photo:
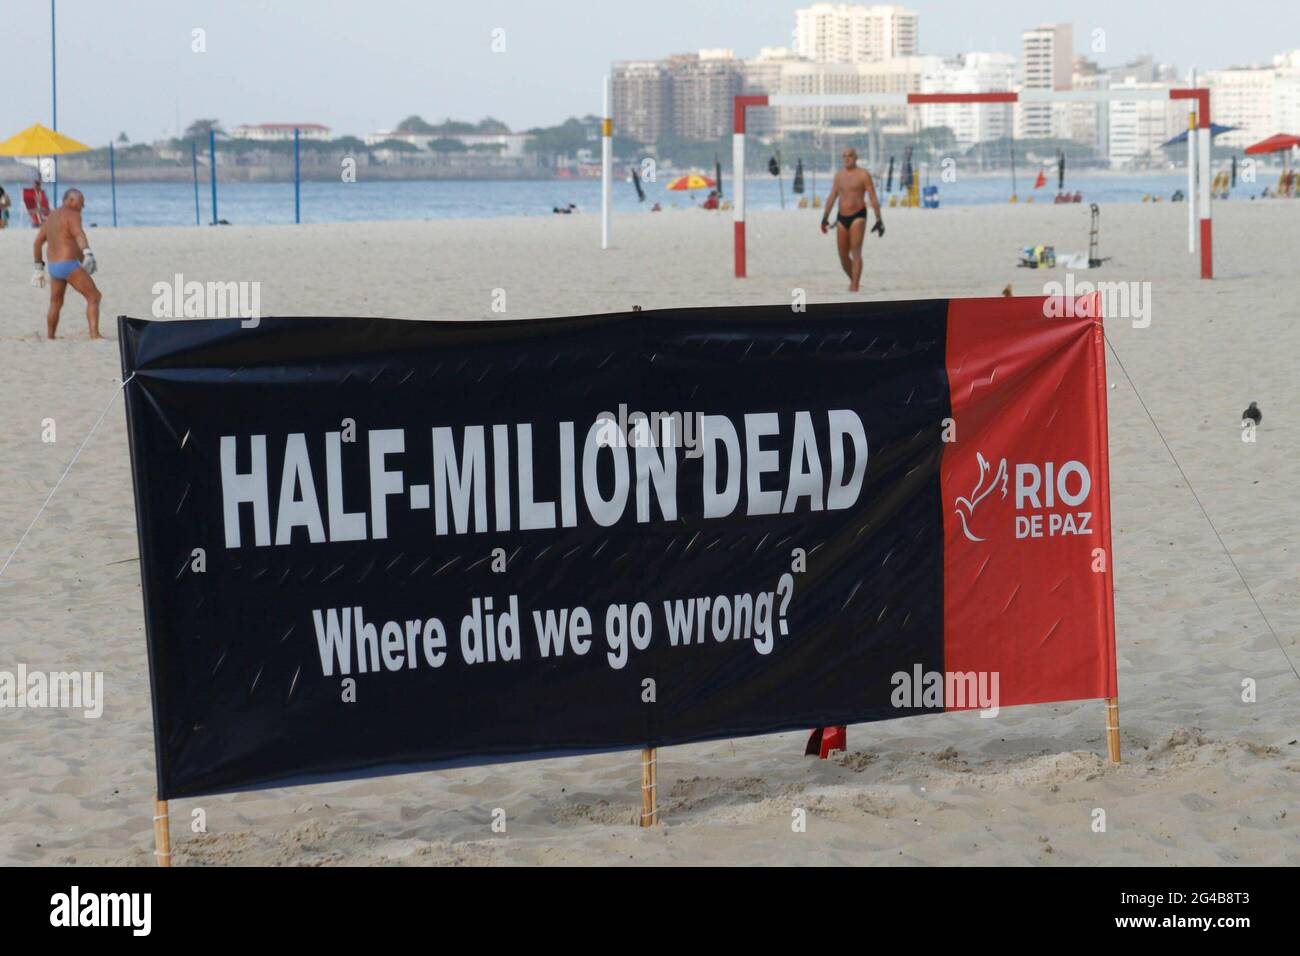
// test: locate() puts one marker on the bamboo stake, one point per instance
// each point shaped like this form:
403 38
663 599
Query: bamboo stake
649 787
1112 728
162 836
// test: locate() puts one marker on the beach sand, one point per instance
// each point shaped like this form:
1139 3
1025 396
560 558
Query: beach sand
1206 777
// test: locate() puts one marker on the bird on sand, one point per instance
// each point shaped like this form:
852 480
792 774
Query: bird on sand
1253 414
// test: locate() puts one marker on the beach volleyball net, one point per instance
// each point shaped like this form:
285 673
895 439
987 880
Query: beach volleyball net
749 108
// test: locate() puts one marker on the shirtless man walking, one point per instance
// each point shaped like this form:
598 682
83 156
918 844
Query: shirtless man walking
71 262
853 188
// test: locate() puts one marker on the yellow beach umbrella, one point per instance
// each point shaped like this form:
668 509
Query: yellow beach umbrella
692 181
40 141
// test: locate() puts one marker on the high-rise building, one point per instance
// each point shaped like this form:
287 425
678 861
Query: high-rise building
1090 122
1143 69
1286 93
852 33
642 99
762 75
1047 64
689 95
704 86
1243 97
1137 128
861 126
1127 132
804 77
1258 100
970 73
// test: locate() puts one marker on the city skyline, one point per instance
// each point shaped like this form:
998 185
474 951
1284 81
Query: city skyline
266 63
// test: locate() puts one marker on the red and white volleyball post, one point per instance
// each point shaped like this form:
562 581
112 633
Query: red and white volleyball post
1192 185
1198 138
606 166
738 174
1203 137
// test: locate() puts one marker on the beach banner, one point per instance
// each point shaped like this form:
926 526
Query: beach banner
373 546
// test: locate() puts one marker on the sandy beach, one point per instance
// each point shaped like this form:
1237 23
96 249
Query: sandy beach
1206 778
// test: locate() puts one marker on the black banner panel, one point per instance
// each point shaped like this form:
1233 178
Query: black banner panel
372 546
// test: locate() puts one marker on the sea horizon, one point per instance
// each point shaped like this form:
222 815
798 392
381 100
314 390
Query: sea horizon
267 203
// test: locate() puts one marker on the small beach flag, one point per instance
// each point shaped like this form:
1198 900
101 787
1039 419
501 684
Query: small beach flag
1041 181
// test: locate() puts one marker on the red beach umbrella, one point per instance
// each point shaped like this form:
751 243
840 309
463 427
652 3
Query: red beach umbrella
1274 144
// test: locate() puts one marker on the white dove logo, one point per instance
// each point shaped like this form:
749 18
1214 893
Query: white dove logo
966 506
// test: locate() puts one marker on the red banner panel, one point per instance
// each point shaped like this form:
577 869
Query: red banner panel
1027 550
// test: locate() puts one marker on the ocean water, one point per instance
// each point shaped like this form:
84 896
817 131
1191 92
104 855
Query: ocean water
172 204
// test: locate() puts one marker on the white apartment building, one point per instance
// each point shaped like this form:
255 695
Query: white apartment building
278 132
1047 63
1137 128
806 77
853 33
1090 122
1259 100
896 75
1243 97
1286 93
970 123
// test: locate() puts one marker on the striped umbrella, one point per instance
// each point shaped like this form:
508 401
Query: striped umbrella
691 181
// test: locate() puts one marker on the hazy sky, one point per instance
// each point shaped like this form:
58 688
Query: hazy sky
128 65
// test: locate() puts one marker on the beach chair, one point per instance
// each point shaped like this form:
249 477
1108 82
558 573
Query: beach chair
37 210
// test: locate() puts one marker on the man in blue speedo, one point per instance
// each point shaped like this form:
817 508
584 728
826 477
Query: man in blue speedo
71 261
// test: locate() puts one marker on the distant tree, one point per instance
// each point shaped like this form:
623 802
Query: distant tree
490 125
937 139
415 124
123 138
445 144
200 127
450 125
397 145
346 142
567 138
1028 151
700 154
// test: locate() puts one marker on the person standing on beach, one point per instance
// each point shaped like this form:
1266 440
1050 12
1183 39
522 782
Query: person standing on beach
71 262
853 188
